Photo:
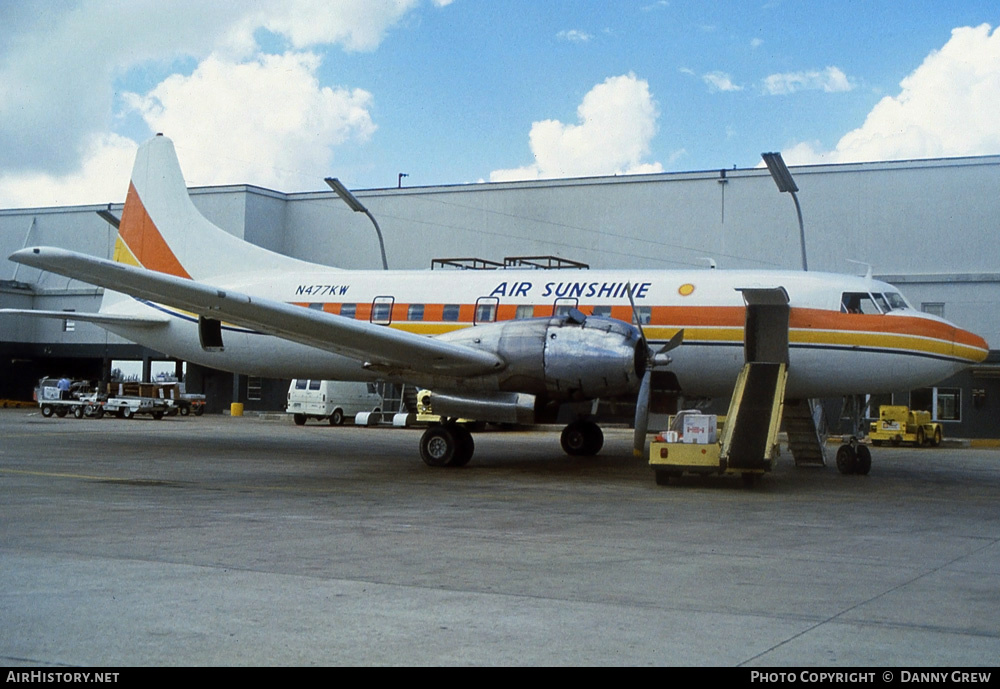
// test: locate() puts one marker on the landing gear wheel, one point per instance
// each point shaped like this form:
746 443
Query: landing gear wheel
78 412
337 417
864 463
847 459
299 419
466 446
47 411
446 446
582 438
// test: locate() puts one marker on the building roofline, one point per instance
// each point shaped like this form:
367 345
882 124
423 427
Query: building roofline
717 174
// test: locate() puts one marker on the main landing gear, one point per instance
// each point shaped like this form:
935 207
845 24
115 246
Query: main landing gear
854 458
582 439
450 444
446 445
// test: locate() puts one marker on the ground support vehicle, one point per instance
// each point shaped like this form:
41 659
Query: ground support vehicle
190 403
898 424
126 399
128 407
744 442
334 401
76 400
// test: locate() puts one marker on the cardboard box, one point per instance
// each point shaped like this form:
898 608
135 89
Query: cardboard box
699 429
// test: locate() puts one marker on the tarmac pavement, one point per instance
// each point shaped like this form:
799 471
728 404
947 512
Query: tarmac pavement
217 540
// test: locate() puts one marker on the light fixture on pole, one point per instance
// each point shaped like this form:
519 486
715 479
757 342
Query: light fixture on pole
358 207
783 178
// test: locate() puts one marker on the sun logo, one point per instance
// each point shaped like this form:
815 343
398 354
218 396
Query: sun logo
685 290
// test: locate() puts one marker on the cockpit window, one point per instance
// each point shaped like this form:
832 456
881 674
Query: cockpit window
896 301
858 302
883 305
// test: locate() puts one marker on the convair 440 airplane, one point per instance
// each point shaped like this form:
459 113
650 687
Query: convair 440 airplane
499 346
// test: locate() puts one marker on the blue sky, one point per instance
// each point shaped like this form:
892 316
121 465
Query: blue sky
282 94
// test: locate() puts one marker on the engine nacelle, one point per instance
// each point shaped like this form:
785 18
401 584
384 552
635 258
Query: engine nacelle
500 407
570 357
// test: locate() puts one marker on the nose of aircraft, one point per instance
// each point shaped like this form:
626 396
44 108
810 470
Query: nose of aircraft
969 346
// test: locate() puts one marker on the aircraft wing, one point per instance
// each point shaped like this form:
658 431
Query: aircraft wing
100 318
366 342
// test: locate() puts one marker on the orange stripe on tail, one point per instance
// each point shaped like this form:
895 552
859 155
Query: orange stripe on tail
143 240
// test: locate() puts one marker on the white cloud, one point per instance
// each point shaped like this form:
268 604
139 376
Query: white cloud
357 25
267 121
574 36
946 107
720 81
101 179
831 79
59 63
617 121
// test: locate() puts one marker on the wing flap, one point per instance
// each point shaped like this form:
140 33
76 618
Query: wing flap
366 342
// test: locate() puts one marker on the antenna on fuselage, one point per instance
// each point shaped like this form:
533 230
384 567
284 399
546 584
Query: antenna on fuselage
868 267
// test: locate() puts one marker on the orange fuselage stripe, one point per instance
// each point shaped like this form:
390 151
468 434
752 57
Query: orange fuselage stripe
725 324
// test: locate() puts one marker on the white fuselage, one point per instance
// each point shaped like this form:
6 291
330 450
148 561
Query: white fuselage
831 352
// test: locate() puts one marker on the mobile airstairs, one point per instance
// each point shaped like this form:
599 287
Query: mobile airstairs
745 441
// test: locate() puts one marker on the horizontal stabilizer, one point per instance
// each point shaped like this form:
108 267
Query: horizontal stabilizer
363 341
99 318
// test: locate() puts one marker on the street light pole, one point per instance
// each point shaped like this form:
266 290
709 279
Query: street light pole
358 207
783 178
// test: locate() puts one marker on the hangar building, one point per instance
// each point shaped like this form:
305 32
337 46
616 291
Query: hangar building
926 226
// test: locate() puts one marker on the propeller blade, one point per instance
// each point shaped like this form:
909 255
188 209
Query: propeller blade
674 342
641 416
635 314
660 358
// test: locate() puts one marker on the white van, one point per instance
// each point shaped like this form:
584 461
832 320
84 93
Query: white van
331 399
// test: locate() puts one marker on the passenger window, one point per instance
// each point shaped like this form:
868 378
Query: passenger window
525 311
348 310
603 311
450 312
486 309
645 314
415 312
563 306
382 310
316 306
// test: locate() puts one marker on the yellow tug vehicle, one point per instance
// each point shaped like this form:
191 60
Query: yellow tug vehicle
898 425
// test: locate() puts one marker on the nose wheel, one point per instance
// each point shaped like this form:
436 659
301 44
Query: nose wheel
854 458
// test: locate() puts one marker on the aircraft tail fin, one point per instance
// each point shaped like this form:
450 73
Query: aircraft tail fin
162 230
